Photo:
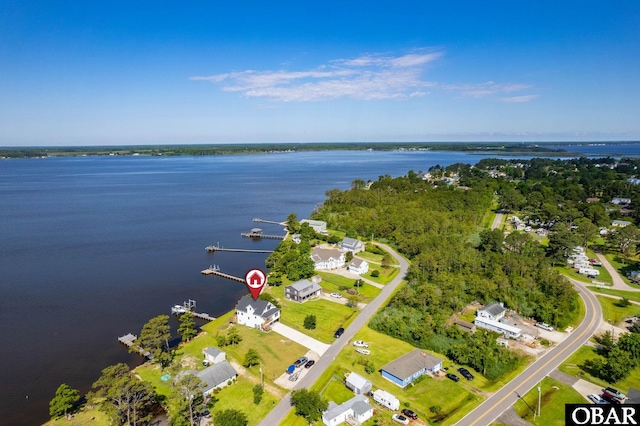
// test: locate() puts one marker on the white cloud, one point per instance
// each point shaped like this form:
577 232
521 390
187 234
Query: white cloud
368 77
519 99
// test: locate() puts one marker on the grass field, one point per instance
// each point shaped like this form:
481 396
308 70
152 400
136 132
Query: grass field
329 317
630 295
85 417
575 366
623 267
553 397
614 314
331 283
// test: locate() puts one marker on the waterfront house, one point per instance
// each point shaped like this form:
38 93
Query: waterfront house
409 367
319 226
327 259
357 383
493 312
498 327
215 377
258 314
356 409
302 290
359 266
352 245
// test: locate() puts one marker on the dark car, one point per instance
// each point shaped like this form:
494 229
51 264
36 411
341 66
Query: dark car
465 373
453 377
309 363
611 399
410 414
338 332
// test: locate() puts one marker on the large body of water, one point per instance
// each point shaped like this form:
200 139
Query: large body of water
93 247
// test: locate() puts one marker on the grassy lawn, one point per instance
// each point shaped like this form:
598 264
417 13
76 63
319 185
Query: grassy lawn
568 271
84 417
553 397
455 399
240 397
631 295
386 274
622 266
614 314
329 317
575 366
331 283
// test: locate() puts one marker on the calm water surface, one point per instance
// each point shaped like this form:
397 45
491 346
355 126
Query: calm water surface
93 247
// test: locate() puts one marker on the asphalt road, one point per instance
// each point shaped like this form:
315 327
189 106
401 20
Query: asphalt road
500 401
281 410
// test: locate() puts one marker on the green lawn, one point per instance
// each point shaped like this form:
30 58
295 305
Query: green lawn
575 366
240 397
568 271
631 295
331 283
622 266
329 317
553 397
84 417
386 274
614 314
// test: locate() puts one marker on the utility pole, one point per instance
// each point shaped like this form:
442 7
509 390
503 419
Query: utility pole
539 398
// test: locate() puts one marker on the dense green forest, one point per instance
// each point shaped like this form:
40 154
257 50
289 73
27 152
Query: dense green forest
432 224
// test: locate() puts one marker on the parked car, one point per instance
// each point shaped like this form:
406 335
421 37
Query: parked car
300 361
410 414
309 363
596 399
336 295
465 373
612 399
544 326
338 332
453 377
615 393
400 419
360 344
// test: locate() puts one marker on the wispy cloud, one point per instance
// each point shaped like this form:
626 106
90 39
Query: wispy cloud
368 77
519 99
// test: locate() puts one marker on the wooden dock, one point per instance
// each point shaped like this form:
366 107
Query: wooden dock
258 235
214 270
258 220
213 249
190 306
129 339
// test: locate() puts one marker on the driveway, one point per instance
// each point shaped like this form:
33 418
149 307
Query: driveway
300 338
618 282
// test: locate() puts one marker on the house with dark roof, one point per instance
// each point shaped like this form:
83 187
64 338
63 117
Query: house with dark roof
352 245
493 312
465 326
326 259
258 314
357 408
302 290
215 377
213 356
409 367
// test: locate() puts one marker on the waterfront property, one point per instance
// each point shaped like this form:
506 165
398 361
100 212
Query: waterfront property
359 266
409 367
319 226
357 408
498 327
358 384
215 377
302 290
213 356
327 259
258 314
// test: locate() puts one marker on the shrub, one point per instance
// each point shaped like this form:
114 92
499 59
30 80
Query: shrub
310 322
375 273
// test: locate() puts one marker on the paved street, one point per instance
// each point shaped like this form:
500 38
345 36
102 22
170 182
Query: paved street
280 411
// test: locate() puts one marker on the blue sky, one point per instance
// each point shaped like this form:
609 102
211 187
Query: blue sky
97 73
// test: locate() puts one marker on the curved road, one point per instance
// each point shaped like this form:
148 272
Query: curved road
500 401
281 410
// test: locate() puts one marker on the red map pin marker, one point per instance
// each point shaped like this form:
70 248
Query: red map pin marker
255 279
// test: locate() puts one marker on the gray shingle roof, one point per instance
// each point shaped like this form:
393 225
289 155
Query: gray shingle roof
409 364
261 307
495 309
214 352
217 374
336 410
304 287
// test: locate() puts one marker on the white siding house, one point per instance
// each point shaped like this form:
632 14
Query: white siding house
359 266
352 245
319 226
357 408
214 355
256 313
493 312
498 327
327 259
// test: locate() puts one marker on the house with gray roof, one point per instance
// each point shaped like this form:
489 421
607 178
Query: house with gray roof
352 245
357 408
213 356
359 266
409 367
319 226
302 290
493 312
357 383
215 377
620 223
258 314
327 259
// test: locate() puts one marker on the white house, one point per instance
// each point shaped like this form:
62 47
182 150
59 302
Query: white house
497 326
352 245
620 200
357 383
256 313
326 259
215 377
620 223
319 226
359 266
493 312
357 408
213 356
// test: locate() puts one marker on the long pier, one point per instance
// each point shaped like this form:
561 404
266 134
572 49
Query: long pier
258 235
212 270
258 220
212 249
